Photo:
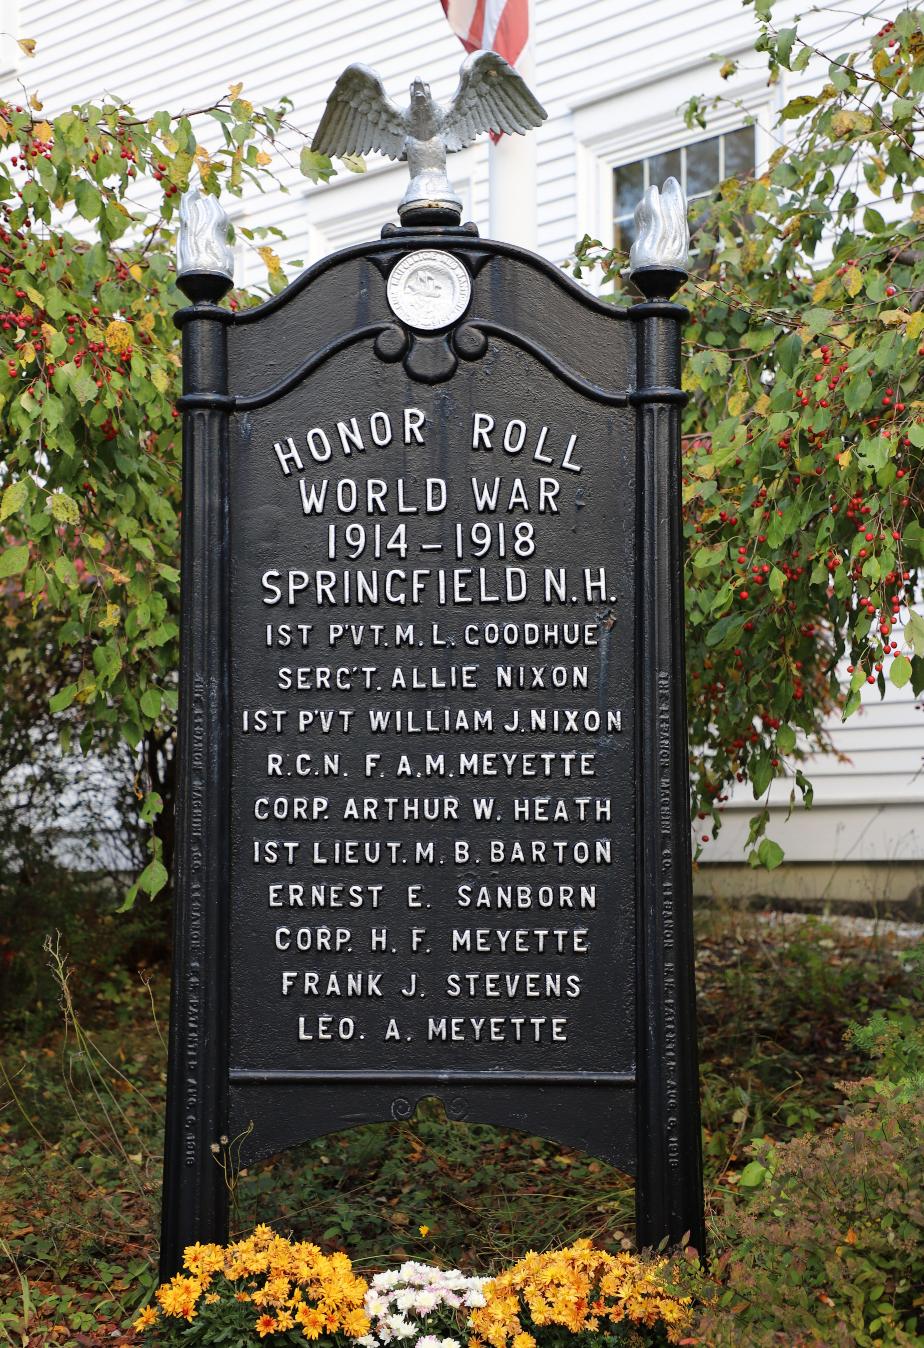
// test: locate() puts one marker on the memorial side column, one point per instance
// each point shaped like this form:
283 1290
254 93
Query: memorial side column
195 1193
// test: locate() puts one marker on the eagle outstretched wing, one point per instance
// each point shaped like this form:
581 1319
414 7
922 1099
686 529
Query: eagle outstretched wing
360 117
491 97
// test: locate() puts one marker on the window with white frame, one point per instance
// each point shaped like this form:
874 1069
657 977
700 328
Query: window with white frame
699 168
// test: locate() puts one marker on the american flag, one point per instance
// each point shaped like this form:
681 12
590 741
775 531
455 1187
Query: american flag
490 25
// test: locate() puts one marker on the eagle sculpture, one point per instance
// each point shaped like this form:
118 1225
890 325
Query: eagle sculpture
360 117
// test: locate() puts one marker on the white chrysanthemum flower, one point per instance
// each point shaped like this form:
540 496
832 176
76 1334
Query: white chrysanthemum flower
400 1327
400 1301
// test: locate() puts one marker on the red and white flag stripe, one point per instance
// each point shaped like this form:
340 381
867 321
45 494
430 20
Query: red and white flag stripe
490 25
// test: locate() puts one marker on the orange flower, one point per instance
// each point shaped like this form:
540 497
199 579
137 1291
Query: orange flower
146 1318
311 1321
266 1325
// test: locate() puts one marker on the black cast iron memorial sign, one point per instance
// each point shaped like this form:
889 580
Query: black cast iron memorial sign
433 825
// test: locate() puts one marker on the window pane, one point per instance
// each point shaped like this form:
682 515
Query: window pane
628 187
702 166
624 235
739 152
661 166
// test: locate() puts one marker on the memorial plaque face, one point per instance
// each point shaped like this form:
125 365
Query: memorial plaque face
432 709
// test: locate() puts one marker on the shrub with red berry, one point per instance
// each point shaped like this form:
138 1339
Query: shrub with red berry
802 470
89 441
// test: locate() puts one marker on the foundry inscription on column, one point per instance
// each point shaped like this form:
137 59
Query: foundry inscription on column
432 719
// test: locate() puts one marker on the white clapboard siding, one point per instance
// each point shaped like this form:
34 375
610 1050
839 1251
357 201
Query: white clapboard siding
613 77
868 798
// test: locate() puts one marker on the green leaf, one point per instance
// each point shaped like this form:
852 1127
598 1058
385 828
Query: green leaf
83 385
900 673
914 632
786 739
761 774
14 497
87 200
66 572
785 38
757 339
61 701
798 107
769 854
788 352
858 392
13 560
841 79
753 1175
153 878
317 167
818 320
917 675
151 703
62 508
107 660
143 545
913 536
55 304
153 804
874 454
726 630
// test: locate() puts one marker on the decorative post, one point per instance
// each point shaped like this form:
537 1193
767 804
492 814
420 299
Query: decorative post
669 1197
195 1203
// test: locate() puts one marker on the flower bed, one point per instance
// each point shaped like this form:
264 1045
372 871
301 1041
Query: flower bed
285 1292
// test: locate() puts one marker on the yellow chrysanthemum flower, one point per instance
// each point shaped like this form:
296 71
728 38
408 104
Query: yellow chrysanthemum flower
179 1296
145 1319
580 1289
290 1283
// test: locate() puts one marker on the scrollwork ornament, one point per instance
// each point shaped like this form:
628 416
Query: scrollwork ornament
469 342
391 343
455 1109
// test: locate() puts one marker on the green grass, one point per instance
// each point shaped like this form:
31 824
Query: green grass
81 1103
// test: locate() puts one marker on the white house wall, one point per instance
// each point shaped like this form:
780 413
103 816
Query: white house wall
614 77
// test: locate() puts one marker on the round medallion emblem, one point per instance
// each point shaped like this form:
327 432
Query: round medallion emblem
429 289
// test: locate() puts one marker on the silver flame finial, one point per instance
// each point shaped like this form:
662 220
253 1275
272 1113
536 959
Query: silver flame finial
662 234
202 244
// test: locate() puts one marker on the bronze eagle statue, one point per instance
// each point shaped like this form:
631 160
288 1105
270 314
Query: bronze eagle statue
360 117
